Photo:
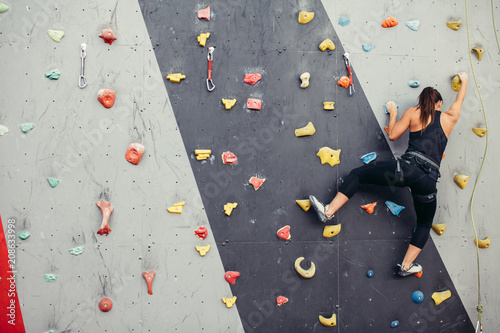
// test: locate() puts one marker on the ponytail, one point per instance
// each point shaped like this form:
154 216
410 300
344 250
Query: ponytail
427 103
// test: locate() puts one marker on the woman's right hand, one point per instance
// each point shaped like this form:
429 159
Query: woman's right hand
463 76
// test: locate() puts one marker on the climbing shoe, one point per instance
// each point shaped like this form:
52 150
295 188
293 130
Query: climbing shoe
320 209
414 269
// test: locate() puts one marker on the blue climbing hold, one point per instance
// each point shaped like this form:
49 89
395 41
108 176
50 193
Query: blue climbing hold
394 208
344 20
413 25
395 323
367 158
387 111
367 47
417 296
369 273
414 83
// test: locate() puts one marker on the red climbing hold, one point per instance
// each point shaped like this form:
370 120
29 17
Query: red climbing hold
108 36
149 279
254 104
231 277
252 78
204 13
229 158
343 82
369 207
106 210
106 97
201 232
256 182
284 233
134 153
419 274
105 304
281 300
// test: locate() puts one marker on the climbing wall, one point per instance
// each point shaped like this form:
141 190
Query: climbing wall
83 144
265 38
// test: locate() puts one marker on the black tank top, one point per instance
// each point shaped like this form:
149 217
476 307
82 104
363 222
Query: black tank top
431 142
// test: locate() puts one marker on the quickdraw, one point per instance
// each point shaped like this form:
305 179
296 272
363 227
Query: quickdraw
82 82
210 57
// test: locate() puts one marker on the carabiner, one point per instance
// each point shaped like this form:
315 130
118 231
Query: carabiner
210 57
82 82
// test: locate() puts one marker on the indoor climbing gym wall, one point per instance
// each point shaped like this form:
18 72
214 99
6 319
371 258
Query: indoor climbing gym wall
158 157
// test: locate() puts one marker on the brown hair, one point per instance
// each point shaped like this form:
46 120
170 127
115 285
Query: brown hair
427 103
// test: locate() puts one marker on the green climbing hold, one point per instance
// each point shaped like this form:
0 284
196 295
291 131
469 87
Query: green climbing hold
56 35
24 234
3 129
50 277
53 182
76 250
3 7
26 127
53 74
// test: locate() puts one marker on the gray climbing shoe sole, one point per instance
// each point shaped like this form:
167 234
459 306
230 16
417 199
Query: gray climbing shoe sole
414 269
319 208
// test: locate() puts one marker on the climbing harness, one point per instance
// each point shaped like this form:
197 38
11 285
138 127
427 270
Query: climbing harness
348 66
82 82
479 308
210 57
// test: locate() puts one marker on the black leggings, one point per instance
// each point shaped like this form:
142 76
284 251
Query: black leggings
421 183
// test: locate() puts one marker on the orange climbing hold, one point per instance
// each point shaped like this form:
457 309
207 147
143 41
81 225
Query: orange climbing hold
108 36
419 274
106 210
390 22
106 97
369 207
134 153
256 182
343 82
204 13
252 78
386 129
149 280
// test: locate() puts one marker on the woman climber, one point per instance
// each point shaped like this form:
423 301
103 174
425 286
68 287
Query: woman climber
417 169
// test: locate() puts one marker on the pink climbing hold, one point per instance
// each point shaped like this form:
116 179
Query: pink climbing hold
280 300
256 182
106 210
284 233
229 158
201 232
254 104
108 36
149 276
231 276
204 13
105 304
252 78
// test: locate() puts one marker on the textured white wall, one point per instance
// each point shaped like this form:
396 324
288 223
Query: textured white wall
432 55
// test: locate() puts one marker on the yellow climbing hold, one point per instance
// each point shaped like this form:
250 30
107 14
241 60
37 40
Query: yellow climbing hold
176 208
440 297
176 77
202 154
304 77
203 249
328 105
331 230
306 130
202 38
461 180
455 83
454 25
228 103
327 44
306 273
229 301
482 243
182 203
439 228
329 322
305 17
479 52
479 131
304 204
228 208
330 156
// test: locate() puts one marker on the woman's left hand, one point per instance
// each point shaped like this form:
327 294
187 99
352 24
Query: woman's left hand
392 108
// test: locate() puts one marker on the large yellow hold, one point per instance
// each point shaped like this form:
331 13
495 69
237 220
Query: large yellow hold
229 301
329 322
202 38
306 273
327 44
202 249
482 243
330 156
305 17
329 105
304 204
479 131
454 25
176 77
306 130
331 230
228 103
176 208
228 208
455 83
461 180
439 228
440 297
479 52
